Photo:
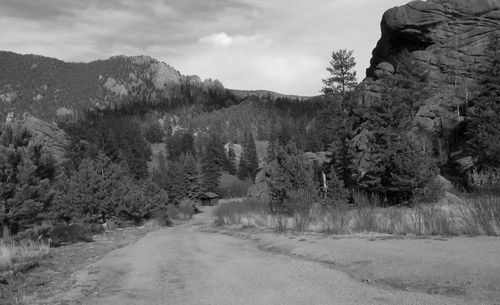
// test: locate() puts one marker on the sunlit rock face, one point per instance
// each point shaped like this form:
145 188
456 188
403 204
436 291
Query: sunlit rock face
450 39
449 42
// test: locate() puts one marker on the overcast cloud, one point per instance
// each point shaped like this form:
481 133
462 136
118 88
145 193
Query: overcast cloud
279 45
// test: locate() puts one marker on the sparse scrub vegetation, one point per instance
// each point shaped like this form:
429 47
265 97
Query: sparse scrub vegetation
186 208
12 252
419 220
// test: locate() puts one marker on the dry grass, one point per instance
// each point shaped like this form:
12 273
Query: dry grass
12 252
480 216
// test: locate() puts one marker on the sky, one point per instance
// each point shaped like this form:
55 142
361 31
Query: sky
278 45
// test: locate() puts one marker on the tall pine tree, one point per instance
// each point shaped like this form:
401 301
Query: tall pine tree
212 164
249 163
26 171
483 130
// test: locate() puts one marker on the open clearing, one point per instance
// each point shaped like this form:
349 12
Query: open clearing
194 264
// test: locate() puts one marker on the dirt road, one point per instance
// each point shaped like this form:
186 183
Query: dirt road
188 265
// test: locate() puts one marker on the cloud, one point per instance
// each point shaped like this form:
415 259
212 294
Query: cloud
218 38
281 45
224 39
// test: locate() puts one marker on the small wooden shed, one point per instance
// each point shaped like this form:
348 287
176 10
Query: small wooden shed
208 198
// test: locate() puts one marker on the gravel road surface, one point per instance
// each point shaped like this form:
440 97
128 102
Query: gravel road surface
188 264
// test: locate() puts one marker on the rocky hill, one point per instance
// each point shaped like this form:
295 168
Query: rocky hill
51 89
266 94
450 42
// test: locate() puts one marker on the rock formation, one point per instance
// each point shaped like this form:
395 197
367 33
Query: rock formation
49 135
450 40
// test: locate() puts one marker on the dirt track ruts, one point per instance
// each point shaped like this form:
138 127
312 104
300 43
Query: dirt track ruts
187 265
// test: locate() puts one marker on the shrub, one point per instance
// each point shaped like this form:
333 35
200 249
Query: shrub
67 234
163 215
232 187
432 192
36 233
186 208
485 181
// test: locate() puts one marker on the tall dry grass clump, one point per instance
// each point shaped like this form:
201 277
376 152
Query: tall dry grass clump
12 252
234 212
478 215
481 212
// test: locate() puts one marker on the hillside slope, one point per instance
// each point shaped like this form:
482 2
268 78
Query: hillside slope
52 89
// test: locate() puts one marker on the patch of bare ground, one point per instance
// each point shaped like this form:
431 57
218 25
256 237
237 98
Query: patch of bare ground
464 267
41 281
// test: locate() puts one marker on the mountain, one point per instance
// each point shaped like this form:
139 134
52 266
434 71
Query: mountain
266 94
51 89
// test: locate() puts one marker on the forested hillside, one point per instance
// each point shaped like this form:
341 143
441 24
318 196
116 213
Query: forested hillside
51 89
136 139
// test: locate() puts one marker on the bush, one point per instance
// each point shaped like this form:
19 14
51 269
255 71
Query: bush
186 208
432 192
485 181
38 232
68 234
232 187
163 215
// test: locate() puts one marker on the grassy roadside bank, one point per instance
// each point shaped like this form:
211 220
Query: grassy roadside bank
438 248
452 216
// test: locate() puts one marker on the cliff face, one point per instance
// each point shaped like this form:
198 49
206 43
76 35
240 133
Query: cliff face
449 42
450 39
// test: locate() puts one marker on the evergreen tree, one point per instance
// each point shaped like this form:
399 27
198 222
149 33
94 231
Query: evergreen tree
252 162
212 164
483 130
336 193
343 76
26 170
290 176
153 132
231 158
191 176
396 165
273 147
99 189
272 150
249 163
180 143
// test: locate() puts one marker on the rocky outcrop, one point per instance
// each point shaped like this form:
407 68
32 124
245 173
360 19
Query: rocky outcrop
449 39
448 43
49 135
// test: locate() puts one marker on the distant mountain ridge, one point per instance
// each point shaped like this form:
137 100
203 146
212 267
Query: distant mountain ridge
51 89
266 94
